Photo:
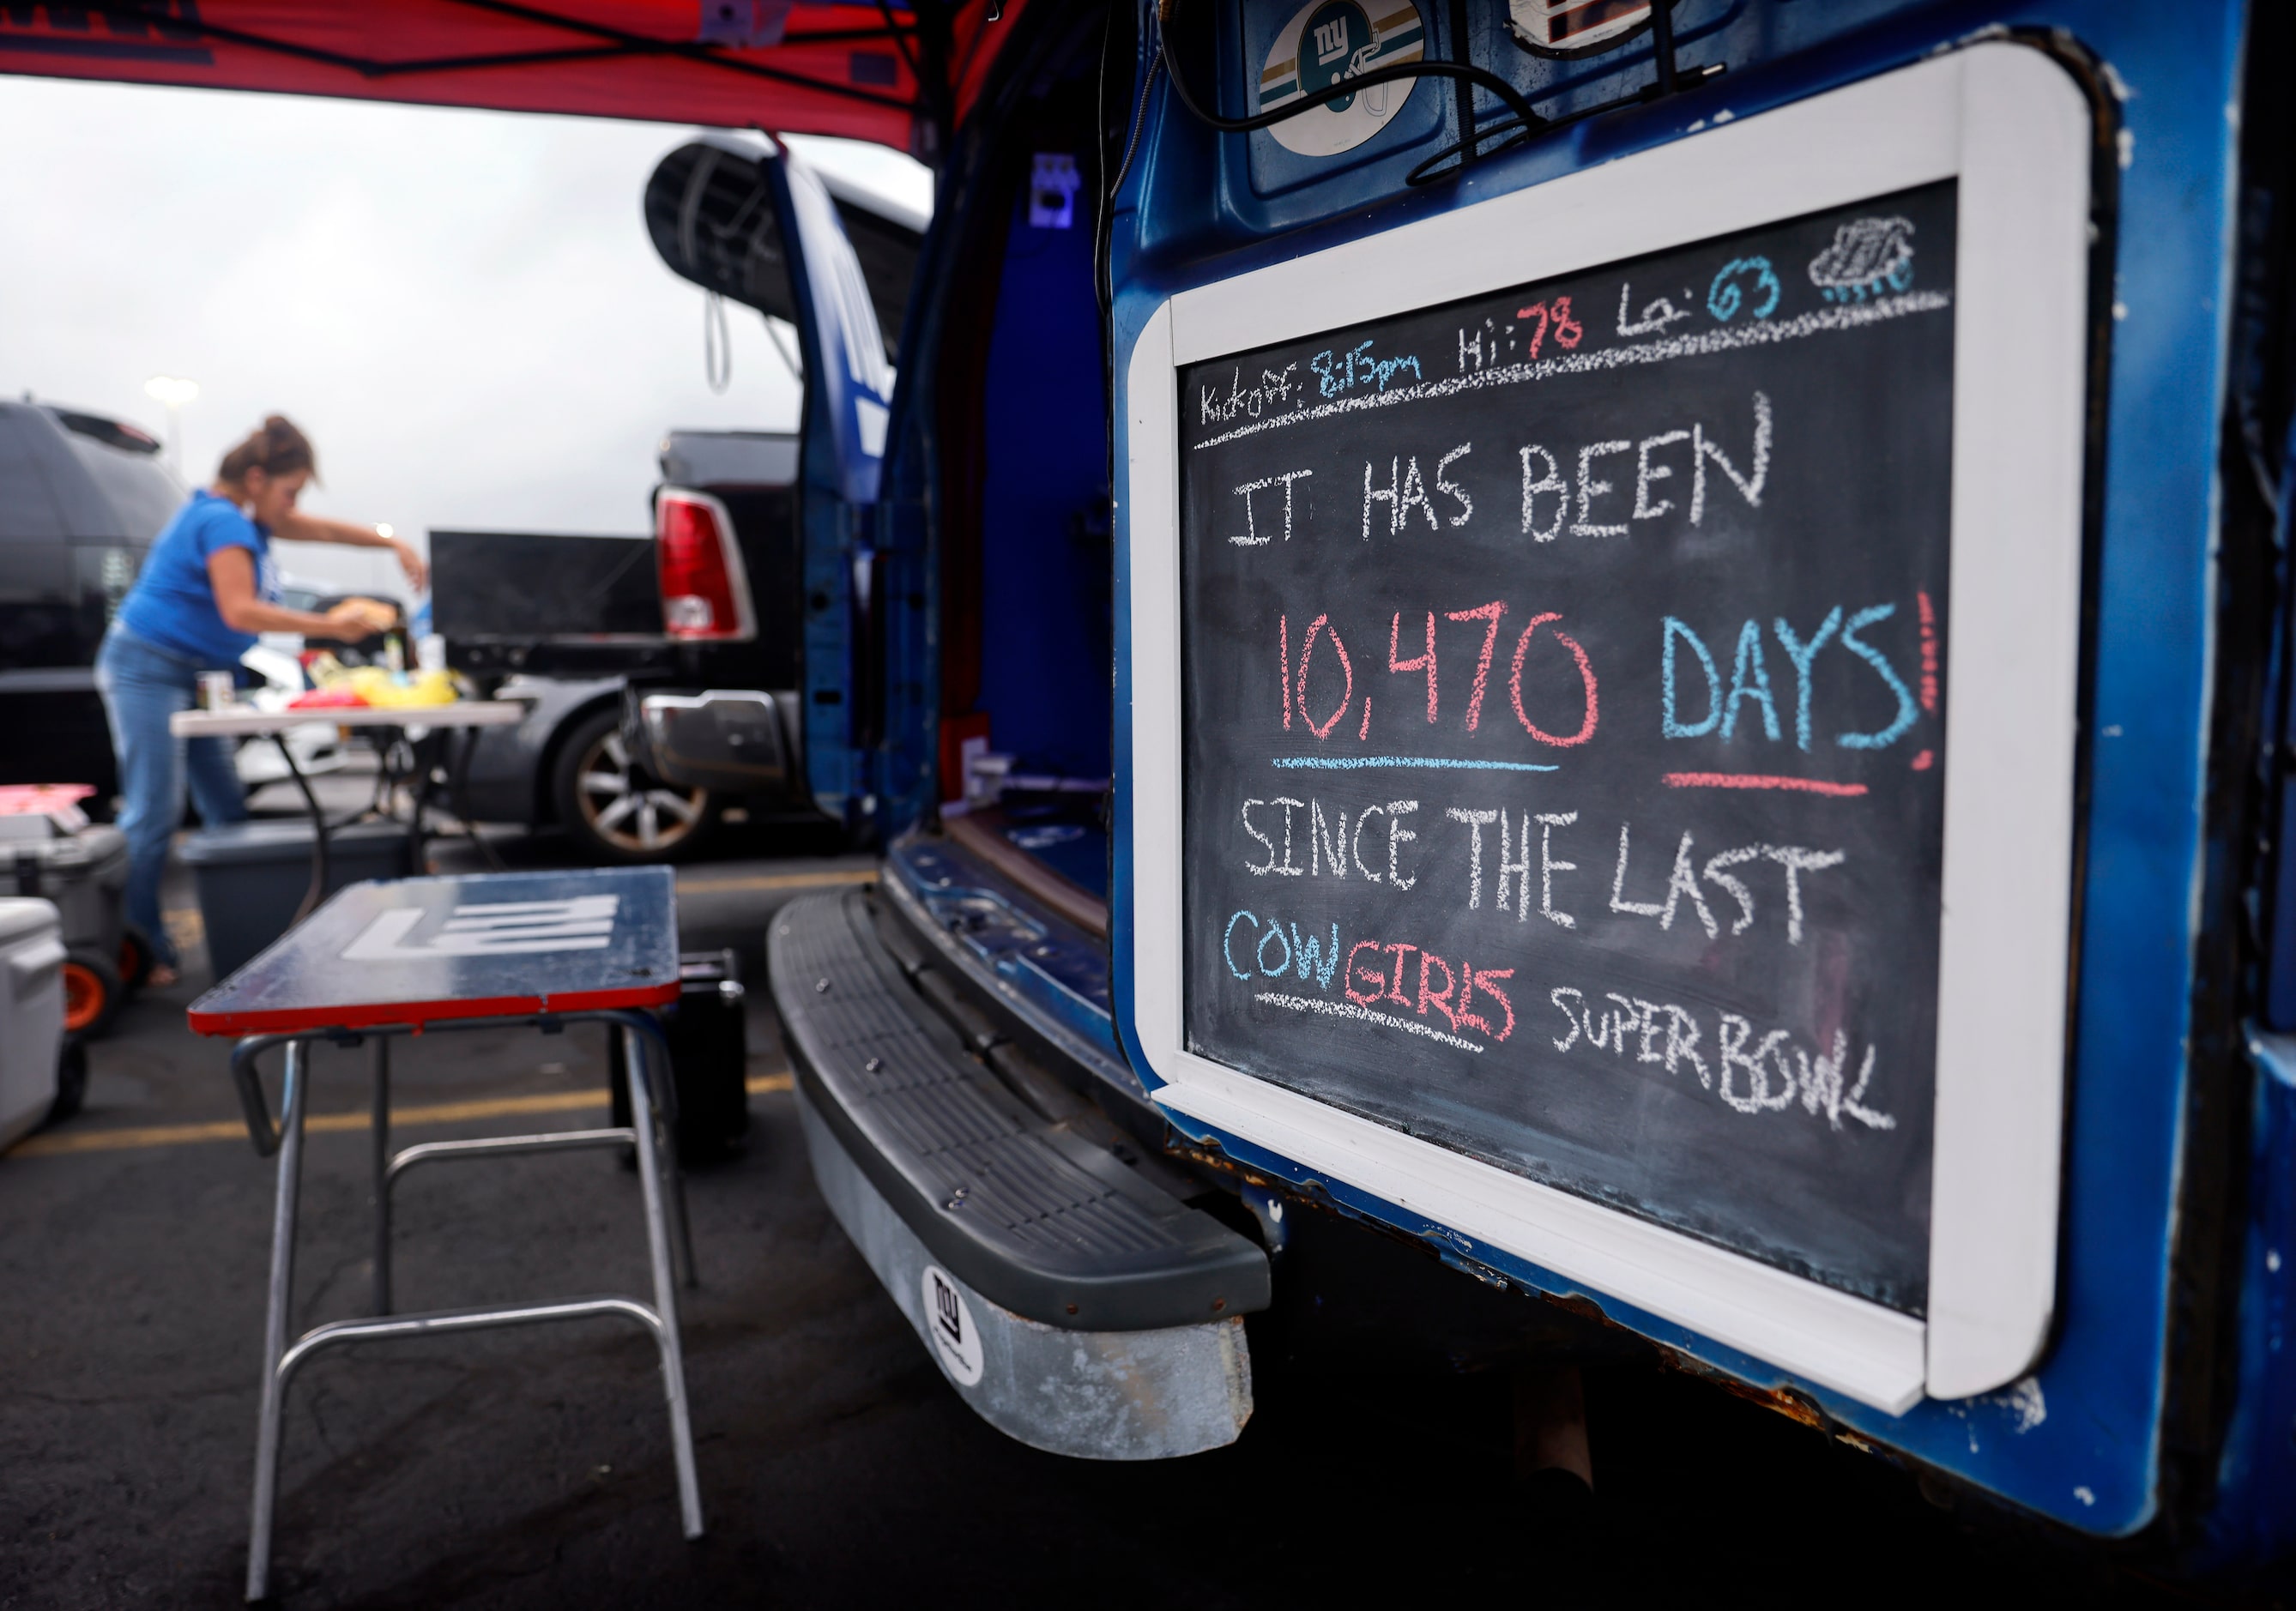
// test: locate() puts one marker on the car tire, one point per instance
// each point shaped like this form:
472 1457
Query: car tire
92 992
616 810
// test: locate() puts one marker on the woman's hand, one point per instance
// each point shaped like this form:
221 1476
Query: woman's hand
296 527
418 574
356 618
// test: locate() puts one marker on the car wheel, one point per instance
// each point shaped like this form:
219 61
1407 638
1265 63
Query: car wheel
616 809
92 992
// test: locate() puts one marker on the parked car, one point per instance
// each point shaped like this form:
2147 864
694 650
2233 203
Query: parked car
82 496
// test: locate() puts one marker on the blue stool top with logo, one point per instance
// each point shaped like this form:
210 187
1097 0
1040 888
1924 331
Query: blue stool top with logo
417 950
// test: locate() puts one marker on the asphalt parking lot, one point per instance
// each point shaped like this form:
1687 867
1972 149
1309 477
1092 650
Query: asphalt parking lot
532 1469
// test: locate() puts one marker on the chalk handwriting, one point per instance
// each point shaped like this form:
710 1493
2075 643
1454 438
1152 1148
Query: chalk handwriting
1795 860
1252 537
1596 496
1663 349
1333 849
1656 315
1427 664
1550 479
1401 496
1556 314
1470 1004
1750 683
1769 1073
1452 489
1347 669
1484 344
1242 401
1742 281
1868 257
1338 373
1721 889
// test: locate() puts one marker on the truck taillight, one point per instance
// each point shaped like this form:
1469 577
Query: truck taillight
705 592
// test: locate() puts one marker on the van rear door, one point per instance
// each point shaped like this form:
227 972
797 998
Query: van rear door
760 227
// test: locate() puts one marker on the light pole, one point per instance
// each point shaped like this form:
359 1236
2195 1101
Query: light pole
175 392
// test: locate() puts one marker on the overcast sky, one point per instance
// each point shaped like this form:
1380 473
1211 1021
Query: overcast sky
462 308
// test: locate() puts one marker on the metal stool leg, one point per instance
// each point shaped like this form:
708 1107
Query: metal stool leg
638 1058
381 1136
666 1147
275 1324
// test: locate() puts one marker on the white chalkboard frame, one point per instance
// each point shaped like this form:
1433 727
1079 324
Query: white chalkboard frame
2014 129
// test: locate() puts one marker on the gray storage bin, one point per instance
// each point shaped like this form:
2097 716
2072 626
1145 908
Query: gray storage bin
252 875
31 1014
84 872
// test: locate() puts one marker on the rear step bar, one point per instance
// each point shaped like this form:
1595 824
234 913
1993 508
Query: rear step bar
1074 1303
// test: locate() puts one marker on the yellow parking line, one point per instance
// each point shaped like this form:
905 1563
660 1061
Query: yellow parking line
436 1113
777 880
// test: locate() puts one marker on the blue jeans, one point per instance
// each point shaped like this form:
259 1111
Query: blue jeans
142 685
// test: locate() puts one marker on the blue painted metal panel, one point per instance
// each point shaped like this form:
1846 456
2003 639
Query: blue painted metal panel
2256 1476
1061 980
1043 674
849 385
2079 1441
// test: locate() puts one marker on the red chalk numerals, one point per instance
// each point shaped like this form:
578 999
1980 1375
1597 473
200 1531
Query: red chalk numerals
1427 664
1553 316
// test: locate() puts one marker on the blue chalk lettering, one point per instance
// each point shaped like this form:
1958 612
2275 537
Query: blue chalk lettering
1907 708
1227 955
1724 298
1750 658
1274 931
1667 724
1337 371
1801 654
1306 951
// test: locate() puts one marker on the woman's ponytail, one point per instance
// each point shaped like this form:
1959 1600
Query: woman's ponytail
276 448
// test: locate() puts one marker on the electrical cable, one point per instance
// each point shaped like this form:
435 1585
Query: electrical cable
795 361
1104 222
1424 175
1480 77
1101 295
1139 118
1670 79
717 343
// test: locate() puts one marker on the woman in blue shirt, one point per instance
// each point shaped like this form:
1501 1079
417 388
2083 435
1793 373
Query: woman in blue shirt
206 588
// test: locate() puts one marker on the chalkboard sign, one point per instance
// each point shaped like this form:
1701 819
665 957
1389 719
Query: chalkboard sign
1564 685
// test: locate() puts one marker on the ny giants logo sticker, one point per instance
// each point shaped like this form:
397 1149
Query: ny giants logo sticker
497 928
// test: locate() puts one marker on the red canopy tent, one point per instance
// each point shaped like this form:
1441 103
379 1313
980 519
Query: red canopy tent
899 72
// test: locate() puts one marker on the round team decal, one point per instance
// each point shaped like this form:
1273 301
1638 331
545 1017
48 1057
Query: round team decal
1326 42
948 1318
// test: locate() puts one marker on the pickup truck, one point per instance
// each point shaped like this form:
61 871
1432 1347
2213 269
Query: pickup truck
569 623
703 625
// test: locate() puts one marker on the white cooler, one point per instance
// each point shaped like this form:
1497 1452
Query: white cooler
31 1012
